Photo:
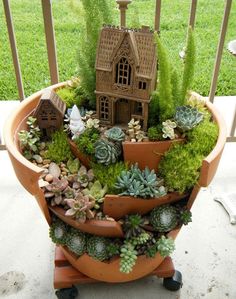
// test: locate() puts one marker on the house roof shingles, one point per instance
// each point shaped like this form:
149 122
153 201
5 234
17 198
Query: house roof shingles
142 40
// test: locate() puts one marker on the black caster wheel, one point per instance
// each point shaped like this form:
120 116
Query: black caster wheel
70 293
173 283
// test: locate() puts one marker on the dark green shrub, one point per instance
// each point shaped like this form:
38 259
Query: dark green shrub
86 141
59 148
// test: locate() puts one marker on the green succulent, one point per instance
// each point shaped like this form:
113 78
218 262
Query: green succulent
115 134
164 218
58 232
140 239
165 246
133 225
30 139
86 141
96 192
76 241
59 148
185 216
106 152
137 183
73 165
128 257
113 248
97 247
187 117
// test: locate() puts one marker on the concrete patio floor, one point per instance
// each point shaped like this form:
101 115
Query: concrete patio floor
205 249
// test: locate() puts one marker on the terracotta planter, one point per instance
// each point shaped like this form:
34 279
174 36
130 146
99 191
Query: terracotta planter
118 206
146 153
109 271
84 159
96 227
29 174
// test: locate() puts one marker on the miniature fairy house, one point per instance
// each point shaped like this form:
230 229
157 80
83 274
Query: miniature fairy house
50 112
125 74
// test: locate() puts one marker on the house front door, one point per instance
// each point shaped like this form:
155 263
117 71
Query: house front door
122 111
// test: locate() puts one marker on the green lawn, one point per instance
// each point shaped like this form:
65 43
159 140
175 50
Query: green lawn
28 21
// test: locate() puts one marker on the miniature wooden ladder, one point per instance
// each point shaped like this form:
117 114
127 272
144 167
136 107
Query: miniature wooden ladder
65 276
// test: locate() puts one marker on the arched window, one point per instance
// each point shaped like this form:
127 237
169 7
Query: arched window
104 108
123 72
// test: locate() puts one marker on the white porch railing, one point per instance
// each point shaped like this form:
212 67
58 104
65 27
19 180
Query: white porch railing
51 43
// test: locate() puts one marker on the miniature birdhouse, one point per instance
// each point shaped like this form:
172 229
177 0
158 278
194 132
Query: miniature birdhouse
50 112
125 74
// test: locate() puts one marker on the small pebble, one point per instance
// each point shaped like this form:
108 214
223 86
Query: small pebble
54 169
38 159
46 161
49 177
64 173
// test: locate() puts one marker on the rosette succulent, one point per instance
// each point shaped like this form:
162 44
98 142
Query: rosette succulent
76 241
164 218
58 232
54 191
187 117
80 207
97 247
96 192
85 176
106 152
115 134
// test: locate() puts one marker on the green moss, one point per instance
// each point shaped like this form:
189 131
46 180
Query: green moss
107 175
59 148
86 141
180 166
155 133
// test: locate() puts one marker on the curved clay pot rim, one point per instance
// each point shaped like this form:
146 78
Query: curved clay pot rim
11 147
109 270
23 167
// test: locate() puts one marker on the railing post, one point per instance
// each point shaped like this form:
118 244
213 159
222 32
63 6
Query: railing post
50 40
192 13
14 51
157 16
220 50
123 5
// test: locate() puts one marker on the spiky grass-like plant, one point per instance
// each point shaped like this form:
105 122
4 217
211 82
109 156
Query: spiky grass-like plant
95 13
166 101
189 61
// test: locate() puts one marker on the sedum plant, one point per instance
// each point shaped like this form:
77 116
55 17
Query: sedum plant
96 192
165 246
30 139
59 148
168 129
85 142
84 176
